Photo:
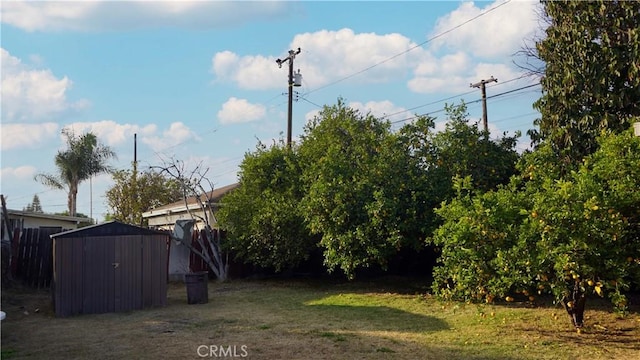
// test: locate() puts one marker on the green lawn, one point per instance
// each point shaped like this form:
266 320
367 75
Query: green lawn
286 319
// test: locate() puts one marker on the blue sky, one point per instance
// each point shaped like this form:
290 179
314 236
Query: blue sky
198 80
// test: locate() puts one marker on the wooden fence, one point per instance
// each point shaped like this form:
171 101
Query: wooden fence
32 256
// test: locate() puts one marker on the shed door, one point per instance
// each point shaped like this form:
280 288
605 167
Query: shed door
127 270
98 275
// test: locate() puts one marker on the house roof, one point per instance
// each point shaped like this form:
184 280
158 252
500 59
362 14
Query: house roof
32 214
110 228
214 196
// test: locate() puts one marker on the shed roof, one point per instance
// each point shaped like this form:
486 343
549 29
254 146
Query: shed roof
110 228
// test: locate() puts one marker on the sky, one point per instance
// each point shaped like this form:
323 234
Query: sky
198 81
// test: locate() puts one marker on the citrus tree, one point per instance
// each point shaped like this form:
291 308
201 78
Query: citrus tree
352 192
262 217
571 237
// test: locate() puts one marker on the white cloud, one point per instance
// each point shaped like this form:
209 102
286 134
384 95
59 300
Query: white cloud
121 15
240 111
224 64
19 173
326 56
111 133
177 133
453 79
249 72
330 55
33 94
311 115
497 34
16 136
477 50
381 109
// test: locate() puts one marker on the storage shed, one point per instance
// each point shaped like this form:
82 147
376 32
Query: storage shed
109 267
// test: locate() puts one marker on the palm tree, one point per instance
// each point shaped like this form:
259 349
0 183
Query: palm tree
83 158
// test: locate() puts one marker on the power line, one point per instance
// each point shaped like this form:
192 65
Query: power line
310 102
467 103
430 103
513 90
410 49
451 98
513 117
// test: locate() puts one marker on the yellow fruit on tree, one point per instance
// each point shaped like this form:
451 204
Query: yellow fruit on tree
509 299
598 289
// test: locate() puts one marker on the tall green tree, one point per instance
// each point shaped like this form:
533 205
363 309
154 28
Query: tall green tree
35 205
591 80
84 157
263 218
133 193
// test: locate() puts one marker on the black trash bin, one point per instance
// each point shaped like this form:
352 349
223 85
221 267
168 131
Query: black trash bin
197 289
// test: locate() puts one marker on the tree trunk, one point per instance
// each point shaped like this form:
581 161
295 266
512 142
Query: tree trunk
574 305
72 199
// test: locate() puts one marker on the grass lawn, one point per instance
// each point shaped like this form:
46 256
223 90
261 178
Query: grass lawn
295 319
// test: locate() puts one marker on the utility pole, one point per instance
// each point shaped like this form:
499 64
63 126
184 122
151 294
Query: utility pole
292 83
481 85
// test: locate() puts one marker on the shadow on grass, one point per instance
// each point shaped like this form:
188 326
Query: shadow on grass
375 325
379 318
610 338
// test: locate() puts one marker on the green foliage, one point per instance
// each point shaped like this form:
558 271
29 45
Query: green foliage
371 192
133 193
462 149
592 76
262 216
356 189
547 234
481 256
354 198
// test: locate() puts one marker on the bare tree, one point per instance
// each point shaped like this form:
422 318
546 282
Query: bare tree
527 58
197 189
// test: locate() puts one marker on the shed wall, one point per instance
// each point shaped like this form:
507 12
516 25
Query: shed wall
100 274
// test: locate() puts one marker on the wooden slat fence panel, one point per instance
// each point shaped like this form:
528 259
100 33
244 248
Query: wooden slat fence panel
32 258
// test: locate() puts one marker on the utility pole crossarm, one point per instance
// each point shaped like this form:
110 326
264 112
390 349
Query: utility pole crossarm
481 84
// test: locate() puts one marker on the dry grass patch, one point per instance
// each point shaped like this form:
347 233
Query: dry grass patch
314 320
